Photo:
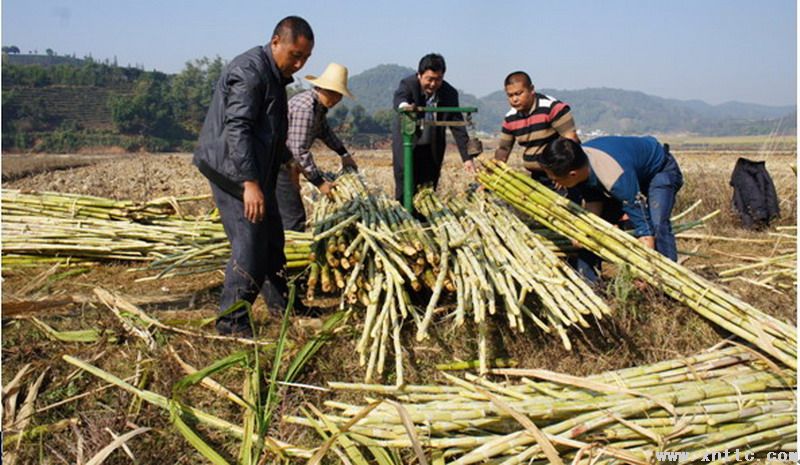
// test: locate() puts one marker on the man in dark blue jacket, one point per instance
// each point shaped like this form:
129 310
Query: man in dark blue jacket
631 175
428 88
241 147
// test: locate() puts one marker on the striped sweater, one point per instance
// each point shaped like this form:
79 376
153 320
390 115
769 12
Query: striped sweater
547 119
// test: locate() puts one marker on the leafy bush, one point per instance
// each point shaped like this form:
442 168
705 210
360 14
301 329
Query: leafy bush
60 141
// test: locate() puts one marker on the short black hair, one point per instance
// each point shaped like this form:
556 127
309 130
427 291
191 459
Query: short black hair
293 27
433 62
562 156
518 76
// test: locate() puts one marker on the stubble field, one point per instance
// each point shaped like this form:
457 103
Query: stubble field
646 327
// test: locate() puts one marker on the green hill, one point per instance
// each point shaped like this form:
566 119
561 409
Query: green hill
54 103
374 88
83 106
63 107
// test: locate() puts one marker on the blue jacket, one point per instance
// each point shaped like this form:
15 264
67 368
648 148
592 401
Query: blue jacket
623 167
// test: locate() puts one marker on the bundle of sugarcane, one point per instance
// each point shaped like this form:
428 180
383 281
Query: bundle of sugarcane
354 215
559 214
375 253
42 226
211 255
492 255
726 398
563 246
172 245
45 227
372 252
557 286
57 204
87 238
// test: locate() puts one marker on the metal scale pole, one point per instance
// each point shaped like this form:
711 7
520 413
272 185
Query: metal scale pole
408 126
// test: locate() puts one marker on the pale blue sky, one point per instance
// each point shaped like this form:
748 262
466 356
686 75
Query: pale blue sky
713 50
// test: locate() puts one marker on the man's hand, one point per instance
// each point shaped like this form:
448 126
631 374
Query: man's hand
253 202
349 162
327 188
649 241
469 167
405 106
294 175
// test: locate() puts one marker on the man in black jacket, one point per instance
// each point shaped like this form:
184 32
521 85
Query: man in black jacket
241 147
425 89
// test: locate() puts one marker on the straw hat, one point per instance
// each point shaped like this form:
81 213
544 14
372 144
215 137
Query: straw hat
333 78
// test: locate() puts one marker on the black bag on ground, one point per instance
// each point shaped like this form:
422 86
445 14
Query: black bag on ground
754 196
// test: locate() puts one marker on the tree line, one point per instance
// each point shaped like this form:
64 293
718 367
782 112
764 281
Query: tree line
149 110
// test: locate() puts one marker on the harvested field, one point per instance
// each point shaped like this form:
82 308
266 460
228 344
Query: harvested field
77 414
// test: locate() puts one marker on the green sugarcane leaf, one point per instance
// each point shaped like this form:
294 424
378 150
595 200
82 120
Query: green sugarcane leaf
80 335
311 347
239 304
272 399
67 274
250 394
235 359
193 438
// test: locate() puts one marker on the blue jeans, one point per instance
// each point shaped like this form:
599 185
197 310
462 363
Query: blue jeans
660 200
661 192
257 257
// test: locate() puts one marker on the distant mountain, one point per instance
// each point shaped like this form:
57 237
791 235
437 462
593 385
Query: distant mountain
741 110
374 88
614 111
631 112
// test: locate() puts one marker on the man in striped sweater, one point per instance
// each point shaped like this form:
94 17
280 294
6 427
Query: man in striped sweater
534 121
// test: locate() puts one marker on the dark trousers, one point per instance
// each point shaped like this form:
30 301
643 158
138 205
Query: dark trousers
660 200
257 258
427 169
290 203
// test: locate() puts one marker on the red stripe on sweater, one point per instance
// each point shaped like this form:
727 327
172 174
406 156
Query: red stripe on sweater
529 121
556 108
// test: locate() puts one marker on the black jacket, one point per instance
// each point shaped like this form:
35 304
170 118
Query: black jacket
244 133
410 91
754 196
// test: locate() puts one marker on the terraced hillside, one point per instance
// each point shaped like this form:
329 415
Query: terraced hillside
86 106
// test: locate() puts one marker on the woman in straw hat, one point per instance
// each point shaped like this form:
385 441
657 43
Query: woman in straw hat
308 121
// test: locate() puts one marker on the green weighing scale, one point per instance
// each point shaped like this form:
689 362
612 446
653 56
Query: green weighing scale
408 127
